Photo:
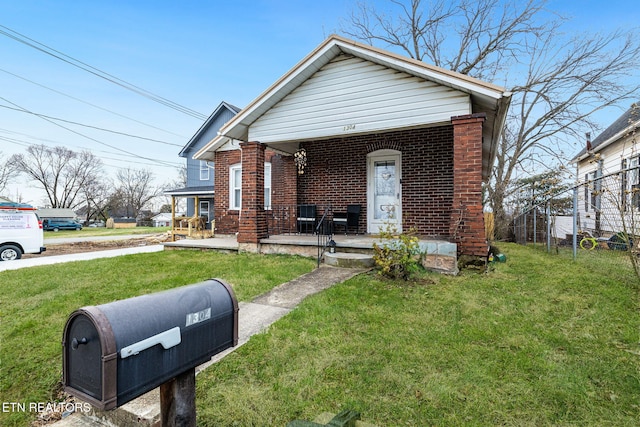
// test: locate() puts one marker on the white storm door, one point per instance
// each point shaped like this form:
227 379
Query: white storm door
384 205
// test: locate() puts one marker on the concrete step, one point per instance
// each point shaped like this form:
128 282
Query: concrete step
348 260
81 420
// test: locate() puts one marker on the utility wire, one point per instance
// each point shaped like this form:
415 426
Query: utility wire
88 137
128 160
21 38
89 103
89 126
25 143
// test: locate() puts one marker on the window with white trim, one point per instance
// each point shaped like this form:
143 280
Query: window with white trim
204 171
235 187
632 182
588 188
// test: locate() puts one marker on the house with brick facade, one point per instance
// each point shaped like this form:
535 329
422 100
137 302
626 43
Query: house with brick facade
409 143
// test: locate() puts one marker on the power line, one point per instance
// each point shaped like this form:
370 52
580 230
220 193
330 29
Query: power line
27 144
89 126
21 38
86 136
128 160
89 103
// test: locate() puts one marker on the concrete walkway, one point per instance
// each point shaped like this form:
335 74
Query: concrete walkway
253 318
83 256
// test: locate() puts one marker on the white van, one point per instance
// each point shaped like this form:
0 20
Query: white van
20 231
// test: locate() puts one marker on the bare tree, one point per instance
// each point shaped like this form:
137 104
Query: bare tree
96 200
557 82
181 180
63 174
566 82
135 188
7 172
474 37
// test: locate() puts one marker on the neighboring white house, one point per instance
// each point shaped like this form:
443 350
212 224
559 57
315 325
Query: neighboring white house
162 219
607 169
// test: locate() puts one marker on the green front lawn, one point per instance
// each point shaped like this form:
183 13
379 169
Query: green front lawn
540 340
103 231
35 303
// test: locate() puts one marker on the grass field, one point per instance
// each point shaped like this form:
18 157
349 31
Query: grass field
103 231
538 340
35 303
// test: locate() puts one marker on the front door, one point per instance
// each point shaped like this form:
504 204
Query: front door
384 207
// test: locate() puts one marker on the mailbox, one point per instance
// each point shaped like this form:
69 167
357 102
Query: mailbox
115 352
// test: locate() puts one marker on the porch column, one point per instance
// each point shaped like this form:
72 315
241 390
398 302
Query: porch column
253 223
467 217
173 218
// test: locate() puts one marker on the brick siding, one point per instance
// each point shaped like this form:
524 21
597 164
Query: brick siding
336 175
253 226
467 227
226 219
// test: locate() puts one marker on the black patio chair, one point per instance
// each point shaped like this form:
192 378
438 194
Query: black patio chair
306 218
350 218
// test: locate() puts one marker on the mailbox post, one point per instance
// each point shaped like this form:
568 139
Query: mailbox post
178 401
115 352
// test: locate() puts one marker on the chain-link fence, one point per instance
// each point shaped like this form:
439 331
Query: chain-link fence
603 213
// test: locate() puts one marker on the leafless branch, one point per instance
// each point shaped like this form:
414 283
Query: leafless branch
60 172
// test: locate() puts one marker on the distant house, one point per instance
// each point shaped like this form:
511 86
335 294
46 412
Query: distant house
408 144
57 213
162 220
200 191
609 170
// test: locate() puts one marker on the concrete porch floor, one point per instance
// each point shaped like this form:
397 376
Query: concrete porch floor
440 255
348 243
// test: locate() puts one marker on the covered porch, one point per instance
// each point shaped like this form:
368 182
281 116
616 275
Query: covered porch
407 144
196 223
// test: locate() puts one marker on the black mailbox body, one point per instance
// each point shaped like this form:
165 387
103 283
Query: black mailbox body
115 352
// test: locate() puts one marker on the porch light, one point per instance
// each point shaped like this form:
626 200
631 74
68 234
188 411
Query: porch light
300 159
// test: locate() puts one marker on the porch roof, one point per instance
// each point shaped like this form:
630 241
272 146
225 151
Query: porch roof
485 97
203 191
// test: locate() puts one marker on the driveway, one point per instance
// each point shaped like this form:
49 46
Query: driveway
36 260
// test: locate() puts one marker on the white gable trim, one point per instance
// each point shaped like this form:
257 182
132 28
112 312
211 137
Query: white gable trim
353 95
485 97
331 48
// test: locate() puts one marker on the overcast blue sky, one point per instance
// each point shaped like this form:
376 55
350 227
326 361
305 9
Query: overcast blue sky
194 53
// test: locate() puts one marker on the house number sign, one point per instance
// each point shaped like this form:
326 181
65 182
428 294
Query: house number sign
348 128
